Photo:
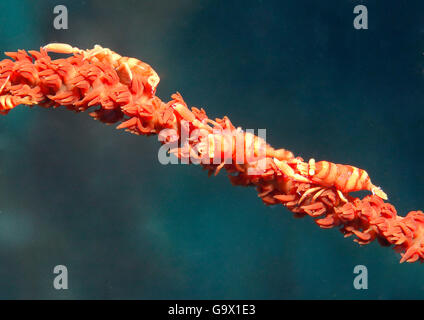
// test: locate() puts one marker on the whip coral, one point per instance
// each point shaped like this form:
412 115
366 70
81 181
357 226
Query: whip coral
124 90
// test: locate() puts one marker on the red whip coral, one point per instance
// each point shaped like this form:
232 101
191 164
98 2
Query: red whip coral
124 90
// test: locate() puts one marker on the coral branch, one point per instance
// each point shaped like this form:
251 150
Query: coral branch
124 90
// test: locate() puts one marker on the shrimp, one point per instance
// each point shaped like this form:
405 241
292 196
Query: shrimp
344 178
124 66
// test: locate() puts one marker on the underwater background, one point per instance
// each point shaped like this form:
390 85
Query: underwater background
75 192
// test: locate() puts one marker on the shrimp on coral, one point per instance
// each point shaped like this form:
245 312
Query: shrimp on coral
124 88
125 67
344 178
